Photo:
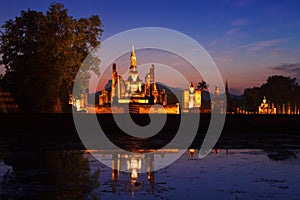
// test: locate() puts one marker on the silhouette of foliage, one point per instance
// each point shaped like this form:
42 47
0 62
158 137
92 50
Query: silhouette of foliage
278 89
58 174
42 53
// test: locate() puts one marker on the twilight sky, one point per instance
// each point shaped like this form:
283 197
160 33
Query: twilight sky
249 40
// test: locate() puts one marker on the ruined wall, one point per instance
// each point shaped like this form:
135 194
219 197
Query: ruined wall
142 109
169 109
105 109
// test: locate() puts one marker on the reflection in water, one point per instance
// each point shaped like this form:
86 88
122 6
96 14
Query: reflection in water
193 151
217 151
48 175
134 165
281 154
76 175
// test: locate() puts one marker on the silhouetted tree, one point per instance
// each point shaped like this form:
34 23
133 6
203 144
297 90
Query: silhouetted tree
42 53
278 90
252 98
202 86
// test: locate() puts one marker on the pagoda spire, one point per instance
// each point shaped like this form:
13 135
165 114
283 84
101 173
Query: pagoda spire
226 86
228 100
132 50
132 58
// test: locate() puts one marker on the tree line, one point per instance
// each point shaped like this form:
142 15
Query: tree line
42 53
279 90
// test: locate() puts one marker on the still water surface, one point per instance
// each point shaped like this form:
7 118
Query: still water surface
223 174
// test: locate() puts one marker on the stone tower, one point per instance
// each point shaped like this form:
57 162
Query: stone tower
228 101
114 80
132 58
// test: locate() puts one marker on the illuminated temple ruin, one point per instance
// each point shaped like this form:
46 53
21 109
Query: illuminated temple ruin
139 96
191 98
133 90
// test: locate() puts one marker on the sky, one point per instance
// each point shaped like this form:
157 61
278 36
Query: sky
248 40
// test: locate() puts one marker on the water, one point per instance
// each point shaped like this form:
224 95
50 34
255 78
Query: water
223 174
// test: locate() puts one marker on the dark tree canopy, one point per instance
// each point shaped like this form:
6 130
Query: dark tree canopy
202 85
252 98
278 90
42 53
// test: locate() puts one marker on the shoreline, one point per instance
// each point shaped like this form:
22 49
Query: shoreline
57 131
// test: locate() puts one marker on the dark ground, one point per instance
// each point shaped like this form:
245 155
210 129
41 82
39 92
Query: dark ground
57 131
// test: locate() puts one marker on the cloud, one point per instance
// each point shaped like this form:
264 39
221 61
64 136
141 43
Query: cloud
262 45
290 68
239 22
274 54
221 60
233 31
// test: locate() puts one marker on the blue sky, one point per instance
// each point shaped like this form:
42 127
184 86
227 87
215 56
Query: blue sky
248 39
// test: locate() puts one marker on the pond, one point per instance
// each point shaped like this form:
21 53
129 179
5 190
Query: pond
223 174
